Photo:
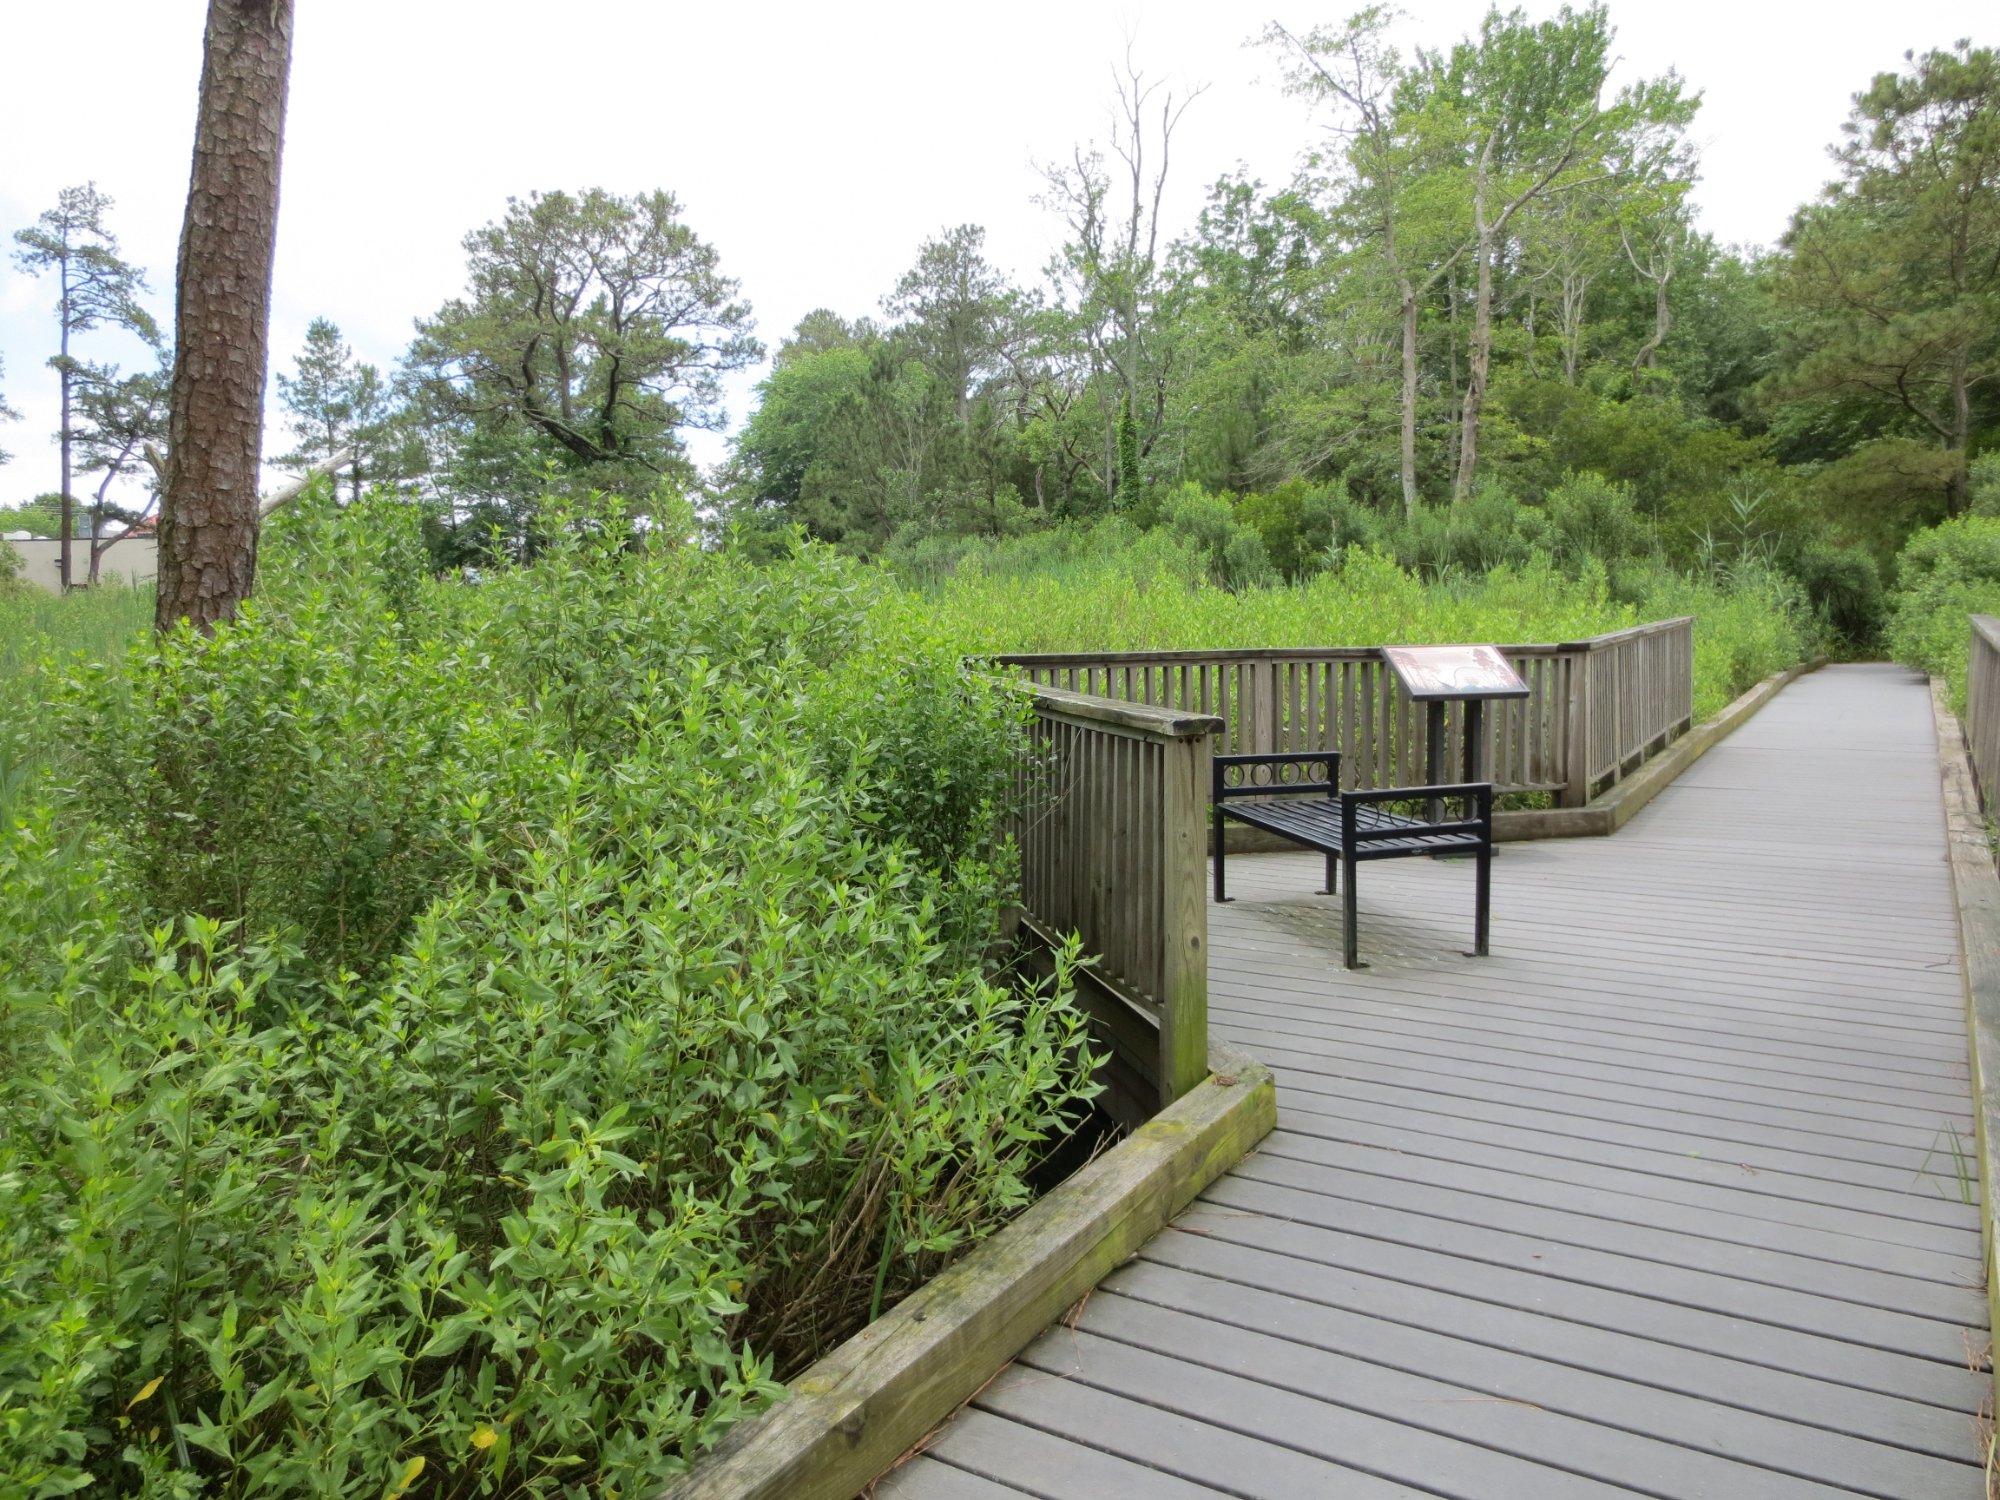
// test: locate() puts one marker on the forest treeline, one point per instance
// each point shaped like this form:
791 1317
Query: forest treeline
1479 321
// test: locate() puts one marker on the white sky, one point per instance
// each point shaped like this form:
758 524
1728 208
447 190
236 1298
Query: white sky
814 145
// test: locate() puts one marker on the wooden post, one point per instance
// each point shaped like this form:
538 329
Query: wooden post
1434 767
1184 930
1576 746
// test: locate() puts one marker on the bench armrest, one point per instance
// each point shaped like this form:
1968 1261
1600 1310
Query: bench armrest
1480 792
1327 788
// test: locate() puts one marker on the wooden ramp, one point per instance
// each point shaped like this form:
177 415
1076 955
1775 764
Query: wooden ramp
1665 1198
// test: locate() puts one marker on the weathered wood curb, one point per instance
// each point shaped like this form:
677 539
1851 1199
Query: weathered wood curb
855 1412
1976 886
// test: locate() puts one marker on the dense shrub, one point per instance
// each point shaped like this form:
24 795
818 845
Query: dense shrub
1589 516
487 1034
1944 575
1845 587
1749 623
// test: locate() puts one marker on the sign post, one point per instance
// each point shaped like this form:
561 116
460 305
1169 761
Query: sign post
1467 675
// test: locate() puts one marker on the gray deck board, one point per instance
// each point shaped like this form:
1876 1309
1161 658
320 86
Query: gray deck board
1661 1199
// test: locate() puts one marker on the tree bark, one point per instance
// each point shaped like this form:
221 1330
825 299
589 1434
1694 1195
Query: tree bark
67 506
208 514
1958 488
1409 454
1479 350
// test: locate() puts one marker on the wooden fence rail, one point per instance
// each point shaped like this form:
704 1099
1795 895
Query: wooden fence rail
1982 709
1596 708
1111 818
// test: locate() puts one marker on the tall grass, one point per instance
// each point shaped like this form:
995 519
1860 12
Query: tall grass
1748 624
95 623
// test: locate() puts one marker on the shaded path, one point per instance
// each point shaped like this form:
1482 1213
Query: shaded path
1662 1199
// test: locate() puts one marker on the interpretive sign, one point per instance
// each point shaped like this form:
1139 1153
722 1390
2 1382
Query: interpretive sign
1433 673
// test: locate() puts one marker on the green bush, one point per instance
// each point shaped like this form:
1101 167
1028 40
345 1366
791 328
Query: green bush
1590 516
1235 553
486 1035
1945 575
1845 587
1748 624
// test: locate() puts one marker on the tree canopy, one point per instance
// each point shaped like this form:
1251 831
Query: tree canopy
593 330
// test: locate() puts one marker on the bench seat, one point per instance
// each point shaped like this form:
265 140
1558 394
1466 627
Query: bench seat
1352 827
1316 824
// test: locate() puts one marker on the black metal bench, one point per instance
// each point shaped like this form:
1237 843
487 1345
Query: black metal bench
1348 827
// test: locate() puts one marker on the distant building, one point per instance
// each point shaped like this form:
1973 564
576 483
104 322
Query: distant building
133 559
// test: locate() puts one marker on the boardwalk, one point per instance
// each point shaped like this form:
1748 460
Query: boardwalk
1662 1199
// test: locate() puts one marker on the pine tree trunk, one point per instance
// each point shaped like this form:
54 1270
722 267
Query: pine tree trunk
208 513
67 505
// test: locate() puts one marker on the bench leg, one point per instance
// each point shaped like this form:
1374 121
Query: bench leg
1482 900
1332 875
1220 896
1350 919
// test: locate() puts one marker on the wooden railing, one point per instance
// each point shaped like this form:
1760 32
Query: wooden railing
1982 709
1595 708
1111 820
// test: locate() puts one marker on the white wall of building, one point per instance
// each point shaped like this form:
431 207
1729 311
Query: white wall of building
134 560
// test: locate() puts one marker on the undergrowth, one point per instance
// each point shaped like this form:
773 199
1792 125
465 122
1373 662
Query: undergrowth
477 1039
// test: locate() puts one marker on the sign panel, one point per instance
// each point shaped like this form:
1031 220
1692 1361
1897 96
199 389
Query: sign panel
1433 673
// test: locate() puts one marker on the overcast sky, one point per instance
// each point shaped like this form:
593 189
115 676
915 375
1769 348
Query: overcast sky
814 145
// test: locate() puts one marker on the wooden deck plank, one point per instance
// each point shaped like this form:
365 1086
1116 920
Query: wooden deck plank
1922 1322
1308 1424
1453 1101
1599 1426
1498 1038
1795 1045
1785 1394
1747 1105
1938 1376
1207 1453
1650 1169
1835 1230
1661 1198
1012 1458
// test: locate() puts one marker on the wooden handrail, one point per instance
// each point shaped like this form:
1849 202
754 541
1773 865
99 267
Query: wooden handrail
1140 718
1597 707
1630 632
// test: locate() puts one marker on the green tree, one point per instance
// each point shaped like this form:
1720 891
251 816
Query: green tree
950 307
123 423
1534 125
1105 279
1400 174
1893 280
594 329
335 402
1128 455
94 287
